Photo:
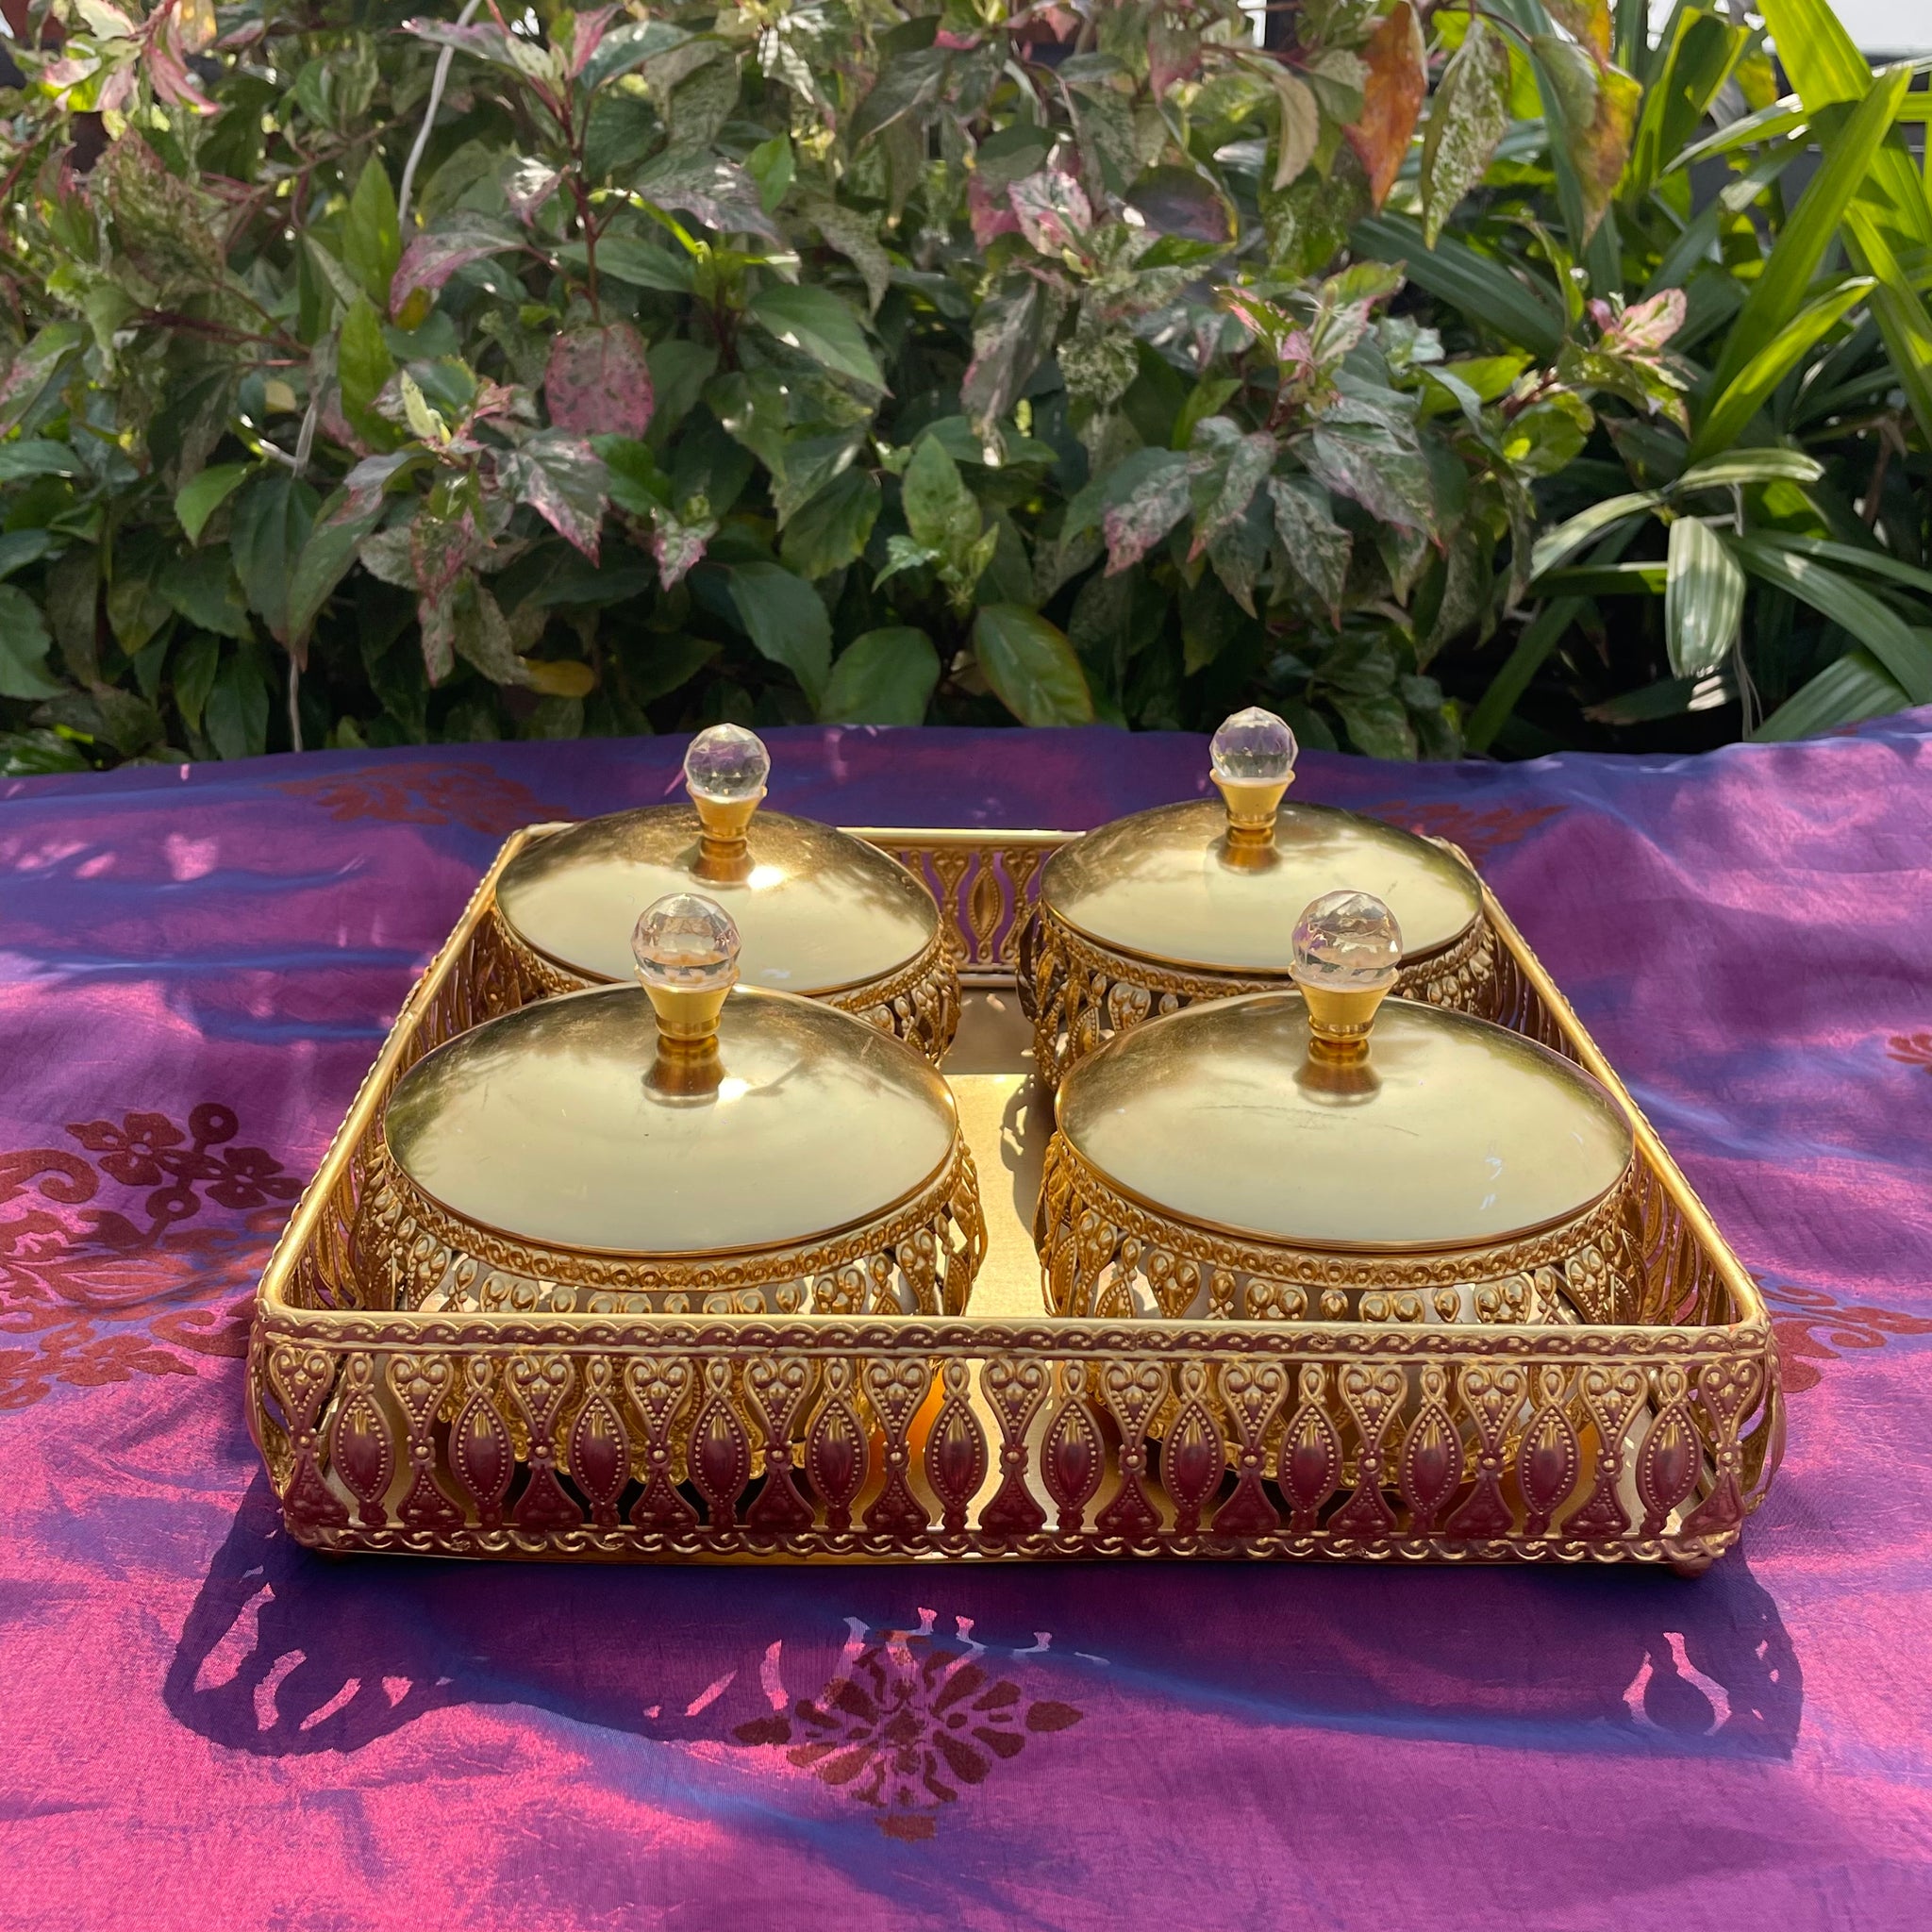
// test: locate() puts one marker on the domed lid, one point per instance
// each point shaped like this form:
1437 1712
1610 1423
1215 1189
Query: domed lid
1278 1116
714 1125
819 910
1217 886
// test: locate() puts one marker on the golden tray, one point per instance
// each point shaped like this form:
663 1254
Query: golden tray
1006 1432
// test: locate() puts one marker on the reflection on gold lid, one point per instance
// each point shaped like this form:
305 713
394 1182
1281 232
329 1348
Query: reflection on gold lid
555 1126
1165 885
1448 1132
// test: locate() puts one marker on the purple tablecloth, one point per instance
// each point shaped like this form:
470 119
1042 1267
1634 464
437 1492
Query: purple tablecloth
202 1725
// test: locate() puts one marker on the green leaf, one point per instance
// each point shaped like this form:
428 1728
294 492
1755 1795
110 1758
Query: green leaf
192 667
1485 289
39 364
1595 111
822 327
906 83
1378 725
1898 310
204 493
883 677
830 530
1225 469
1751 388
1031 667
1879 563
237 709
1904 654
364 365
344 520
1316 546
1695 62
1558 545
1772 465
679 371
1853 687
19 548
272 520
772 165
561 477
784 618
1144 497
941 513
638 265
1781 288
21 460
23 643
1366 461
372 242
1467 120
202 587
1704 598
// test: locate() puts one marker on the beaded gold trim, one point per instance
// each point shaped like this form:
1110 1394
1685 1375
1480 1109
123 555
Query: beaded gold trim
919 1258
918 1002
1108 1254
1080 993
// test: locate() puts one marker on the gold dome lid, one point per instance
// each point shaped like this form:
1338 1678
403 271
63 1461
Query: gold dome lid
714 1125
1276 1117
1217 886
820 911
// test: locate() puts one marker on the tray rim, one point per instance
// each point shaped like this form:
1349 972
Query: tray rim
834 1334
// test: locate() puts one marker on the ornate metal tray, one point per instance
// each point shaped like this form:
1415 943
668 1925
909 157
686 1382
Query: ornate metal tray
1006 1432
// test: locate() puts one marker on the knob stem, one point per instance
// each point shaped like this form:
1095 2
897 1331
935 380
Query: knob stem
724 853
1253 806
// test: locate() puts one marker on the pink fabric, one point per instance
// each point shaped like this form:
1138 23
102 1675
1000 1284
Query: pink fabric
205 1727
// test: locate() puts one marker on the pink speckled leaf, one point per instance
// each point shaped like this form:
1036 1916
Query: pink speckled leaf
598 381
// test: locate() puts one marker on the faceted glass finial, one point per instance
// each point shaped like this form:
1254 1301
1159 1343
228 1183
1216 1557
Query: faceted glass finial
1254 747
726 765
1347 943
686 943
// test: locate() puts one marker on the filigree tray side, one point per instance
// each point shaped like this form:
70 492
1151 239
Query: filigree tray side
1004 1433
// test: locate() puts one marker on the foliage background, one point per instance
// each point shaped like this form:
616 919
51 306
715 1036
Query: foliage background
375 381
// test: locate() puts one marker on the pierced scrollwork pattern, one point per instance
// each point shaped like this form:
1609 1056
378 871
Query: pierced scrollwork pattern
919 1258
1105 1255
1263 1411
1080 993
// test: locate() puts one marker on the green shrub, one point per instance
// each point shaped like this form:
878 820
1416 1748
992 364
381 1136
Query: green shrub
627 370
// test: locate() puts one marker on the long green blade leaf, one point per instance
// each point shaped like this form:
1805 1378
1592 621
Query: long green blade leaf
1826 65
1704 598
1483 289
1772 465
1879 563
1605 580
1698 59
1907 655
1748 390
1537 641
1813 225
1898 311
1853 687
1782 117
1558 545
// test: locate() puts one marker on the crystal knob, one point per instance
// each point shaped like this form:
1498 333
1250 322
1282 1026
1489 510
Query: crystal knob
724 771
1253 748
727 765
1252 759
1347 955
686 949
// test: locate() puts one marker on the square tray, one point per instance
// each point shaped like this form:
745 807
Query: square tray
1005 1433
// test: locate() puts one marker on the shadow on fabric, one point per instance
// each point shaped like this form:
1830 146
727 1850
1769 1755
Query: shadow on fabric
287 1653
